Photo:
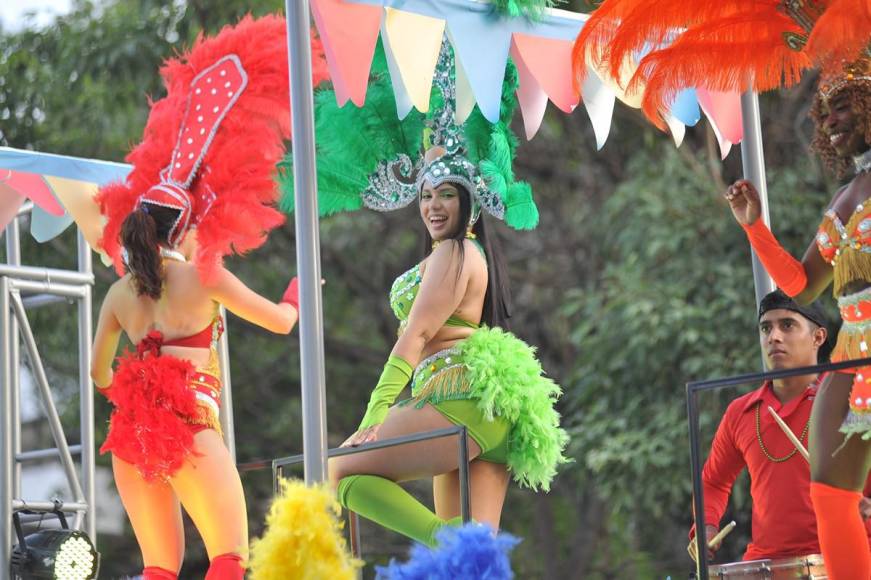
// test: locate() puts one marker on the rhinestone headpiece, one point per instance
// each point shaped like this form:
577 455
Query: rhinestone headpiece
211 96
805 14
396 183
858 71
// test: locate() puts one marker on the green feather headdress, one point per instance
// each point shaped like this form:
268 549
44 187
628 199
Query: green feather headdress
529 8
367 156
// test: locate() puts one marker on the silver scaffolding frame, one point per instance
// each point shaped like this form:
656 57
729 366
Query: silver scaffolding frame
23 287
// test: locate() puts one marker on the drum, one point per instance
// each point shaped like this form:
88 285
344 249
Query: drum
804 568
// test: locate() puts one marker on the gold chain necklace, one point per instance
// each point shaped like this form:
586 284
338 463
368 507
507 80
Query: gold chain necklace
762 445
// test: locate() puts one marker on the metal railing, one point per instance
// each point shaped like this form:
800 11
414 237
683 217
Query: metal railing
696 464
280 464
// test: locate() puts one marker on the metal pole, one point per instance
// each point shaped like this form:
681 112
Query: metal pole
354 534
86 391
41 380
6 457
753 161
463 466
13 258
227 424
698 500
314 416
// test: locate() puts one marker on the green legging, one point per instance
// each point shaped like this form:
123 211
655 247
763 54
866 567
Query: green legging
385 502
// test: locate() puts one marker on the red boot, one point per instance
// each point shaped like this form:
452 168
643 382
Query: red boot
158 573
226 567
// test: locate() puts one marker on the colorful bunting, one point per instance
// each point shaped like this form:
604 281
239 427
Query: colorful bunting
686 107
10 202
599 102
483 53
530 96
550 62
483 39
349 33
725 109
414 41
62 189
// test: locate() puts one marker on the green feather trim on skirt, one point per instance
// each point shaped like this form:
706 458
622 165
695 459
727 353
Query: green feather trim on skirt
506 380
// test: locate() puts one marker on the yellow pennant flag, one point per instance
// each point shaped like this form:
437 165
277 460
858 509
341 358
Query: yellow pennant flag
415 41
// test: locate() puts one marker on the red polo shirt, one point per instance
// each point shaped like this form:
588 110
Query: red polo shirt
784 524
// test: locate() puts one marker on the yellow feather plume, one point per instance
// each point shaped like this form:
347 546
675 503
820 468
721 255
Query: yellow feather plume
303 539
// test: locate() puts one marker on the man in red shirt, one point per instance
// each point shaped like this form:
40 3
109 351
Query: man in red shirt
783 522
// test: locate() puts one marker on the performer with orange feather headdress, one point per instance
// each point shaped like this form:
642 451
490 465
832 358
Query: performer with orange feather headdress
202 187
732 45
840 253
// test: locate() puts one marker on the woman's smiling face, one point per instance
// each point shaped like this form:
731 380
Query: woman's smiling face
440 210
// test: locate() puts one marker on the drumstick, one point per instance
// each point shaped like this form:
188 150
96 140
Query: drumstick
789 434
727 529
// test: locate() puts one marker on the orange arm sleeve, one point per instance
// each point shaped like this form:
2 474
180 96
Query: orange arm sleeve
787 272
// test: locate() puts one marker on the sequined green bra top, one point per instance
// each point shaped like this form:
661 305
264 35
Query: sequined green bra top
404 291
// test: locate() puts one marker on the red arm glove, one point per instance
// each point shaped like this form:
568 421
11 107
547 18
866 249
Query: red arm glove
787 272
291 295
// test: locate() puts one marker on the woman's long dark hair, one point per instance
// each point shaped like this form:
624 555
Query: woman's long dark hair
141 234
497 299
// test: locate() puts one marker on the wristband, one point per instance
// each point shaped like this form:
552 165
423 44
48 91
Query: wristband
396 374
291 294
787 272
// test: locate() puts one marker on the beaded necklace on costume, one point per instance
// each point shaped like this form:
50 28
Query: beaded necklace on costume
863 162
765 451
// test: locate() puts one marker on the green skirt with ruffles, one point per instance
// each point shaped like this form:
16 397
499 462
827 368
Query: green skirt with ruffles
501 374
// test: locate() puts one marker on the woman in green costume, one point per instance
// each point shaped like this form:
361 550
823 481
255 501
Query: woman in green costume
463 368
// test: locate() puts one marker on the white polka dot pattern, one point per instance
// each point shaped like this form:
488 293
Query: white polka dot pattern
206 109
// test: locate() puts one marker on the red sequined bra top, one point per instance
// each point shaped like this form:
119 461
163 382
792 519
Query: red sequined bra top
847 247
206 338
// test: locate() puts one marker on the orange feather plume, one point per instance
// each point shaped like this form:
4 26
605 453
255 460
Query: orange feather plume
620 29
841 33
735 53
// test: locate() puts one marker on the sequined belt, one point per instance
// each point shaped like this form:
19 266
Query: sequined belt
207 388
855 334
440 377
856 308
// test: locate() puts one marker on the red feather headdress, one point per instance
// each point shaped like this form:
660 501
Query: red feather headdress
210 146
722 45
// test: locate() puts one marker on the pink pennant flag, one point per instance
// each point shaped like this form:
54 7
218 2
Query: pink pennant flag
349 33
549 61
10 201
32 185
724 111
530 96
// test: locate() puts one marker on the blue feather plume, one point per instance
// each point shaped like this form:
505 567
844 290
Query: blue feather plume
470 552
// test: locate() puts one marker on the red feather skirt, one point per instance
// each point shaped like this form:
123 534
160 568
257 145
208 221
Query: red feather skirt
156 413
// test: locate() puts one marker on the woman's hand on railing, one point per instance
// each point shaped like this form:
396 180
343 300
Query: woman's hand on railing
367 435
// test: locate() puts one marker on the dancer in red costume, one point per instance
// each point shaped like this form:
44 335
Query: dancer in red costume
201 188
840 430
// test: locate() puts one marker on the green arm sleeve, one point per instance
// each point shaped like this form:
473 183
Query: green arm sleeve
396 374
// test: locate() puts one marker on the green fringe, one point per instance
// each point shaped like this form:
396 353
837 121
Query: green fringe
507 381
